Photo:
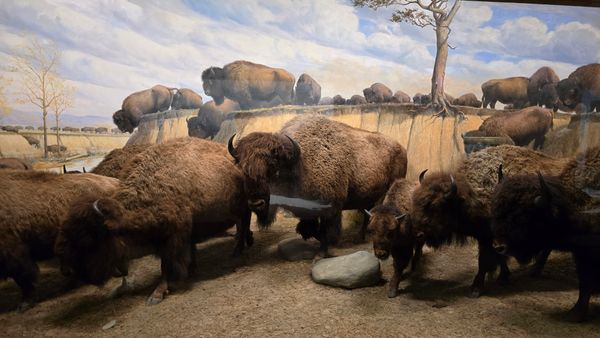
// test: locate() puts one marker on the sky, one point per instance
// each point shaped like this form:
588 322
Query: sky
111 48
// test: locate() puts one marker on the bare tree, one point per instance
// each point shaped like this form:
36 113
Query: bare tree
424 13
4 106
37 63
63 101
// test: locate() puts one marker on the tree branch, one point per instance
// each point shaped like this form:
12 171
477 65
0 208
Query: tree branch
452 13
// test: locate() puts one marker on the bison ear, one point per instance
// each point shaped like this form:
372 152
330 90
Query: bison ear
295 155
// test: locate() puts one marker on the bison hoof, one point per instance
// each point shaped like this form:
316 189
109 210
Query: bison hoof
24 306
475 293
503 280
575 315
153 300
392 293
250 239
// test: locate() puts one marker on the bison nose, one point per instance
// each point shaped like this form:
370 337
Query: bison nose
256 204
500 248
381 254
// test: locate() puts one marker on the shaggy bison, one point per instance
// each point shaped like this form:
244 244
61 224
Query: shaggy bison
210 116
356 99
537 81
114 162
467 100
175 194
14 163
339 100
378 93
32 205
308 91
185 98
149 101
511 90
400 97
251 85
522 126
582 86
317 159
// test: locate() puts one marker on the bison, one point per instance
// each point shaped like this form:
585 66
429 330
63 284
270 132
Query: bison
356 99
54 148
308 91
149 101
29 128
511 90
210 116
318 159
101 130
467 100
581 87
339 100
10 129
175 194
185 98
114 162
422 98
537 81
251 85
32 141
14 163
89 129
378 93
32 205
522 126
400 97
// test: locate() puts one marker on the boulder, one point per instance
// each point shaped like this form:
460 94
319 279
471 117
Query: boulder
360 269
297 249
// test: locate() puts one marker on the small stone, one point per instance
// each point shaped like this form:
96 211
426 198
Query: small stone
109 325
297 249
360 269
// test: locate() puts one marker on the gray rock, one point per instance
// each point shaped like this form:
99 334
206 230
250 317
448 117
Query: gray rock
297 249
356 270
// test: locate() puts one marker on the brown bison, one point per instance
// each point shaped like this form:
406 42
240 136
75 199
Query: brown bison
101 130
400 97
251 85
185 98
32 205
14 163
114 162
32 141
10 129
90 129
522 126
29 128
581 87
339 100
318 159
378 93
210 116
467 100
175 194
511 90
537 81
149 101
71 129
356 99
308 91
422 98
55 148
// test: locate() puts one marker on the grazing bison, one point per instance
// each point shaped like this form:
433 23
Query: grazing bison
522 126
14 163
378 93
71 129
390 224
511 90
10 129
356 99
308 91
422 98
581 87
210 116
149 101
186 98
467 100
53 148
175 195
339 100
314 158
400 97
537 81
101 130
114 162
32 205
89 129
32 141
326 101
251 85
29 128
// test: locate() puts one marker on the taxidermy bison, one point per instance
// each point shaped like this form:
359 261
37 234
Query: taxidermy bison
185 98
378 93
210 116
467 100
14 163
32 205
339 100
522 126
537 81
308 91
581 87
511 90
317 159
114 162
356 99
149 101
175 194
400 97
251 85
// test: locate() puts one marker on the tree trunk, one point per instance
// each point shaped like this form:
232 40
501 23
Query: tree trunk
57 136
439 69
44 114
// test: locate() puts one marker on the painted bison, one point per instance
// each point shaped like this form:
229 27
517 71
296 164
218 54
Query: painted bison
467 100
101 130
356 99
29 128
114 162
422 98
308 91
32 205
400 97
378 93
511 90
339 100
522 126
581 87
210 116
32 141
175 195
537 81
185 98
317 159
149 101
55 148
251 85
71 129
14 163
10 129
89 129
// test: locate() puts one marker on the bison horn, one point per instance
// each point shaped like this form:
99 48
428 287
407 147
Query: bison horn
542 200
453 187
296 152
399 217
64 169
97 209
422 175
85 172
500 174
368 213
231 148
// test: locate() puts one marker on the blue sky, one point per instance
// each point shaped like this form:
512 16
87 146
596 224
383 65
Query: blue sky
111 48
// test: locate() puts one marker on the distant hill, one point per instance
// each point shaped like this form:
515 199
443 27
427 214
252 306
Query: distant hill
23 118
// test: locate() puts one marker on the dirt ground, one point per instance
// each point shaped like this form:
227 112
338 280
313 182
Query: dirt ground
261 295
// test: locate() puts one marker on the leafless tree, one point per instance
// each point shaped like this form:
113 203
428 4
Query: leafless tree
61 103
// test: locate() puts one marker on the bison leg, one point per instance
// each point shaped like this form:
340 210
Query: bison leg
417 257
329 232
540 261
25 282
539 142
243 234
308 228
125 287
503 277
159 292
579 311
401 259
487 263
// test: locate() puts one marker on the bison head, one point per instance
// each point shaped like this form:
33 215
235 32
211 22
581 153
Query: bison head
568 92
390 227
196 129
264 158
177 102
122 120
213 83
86 244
